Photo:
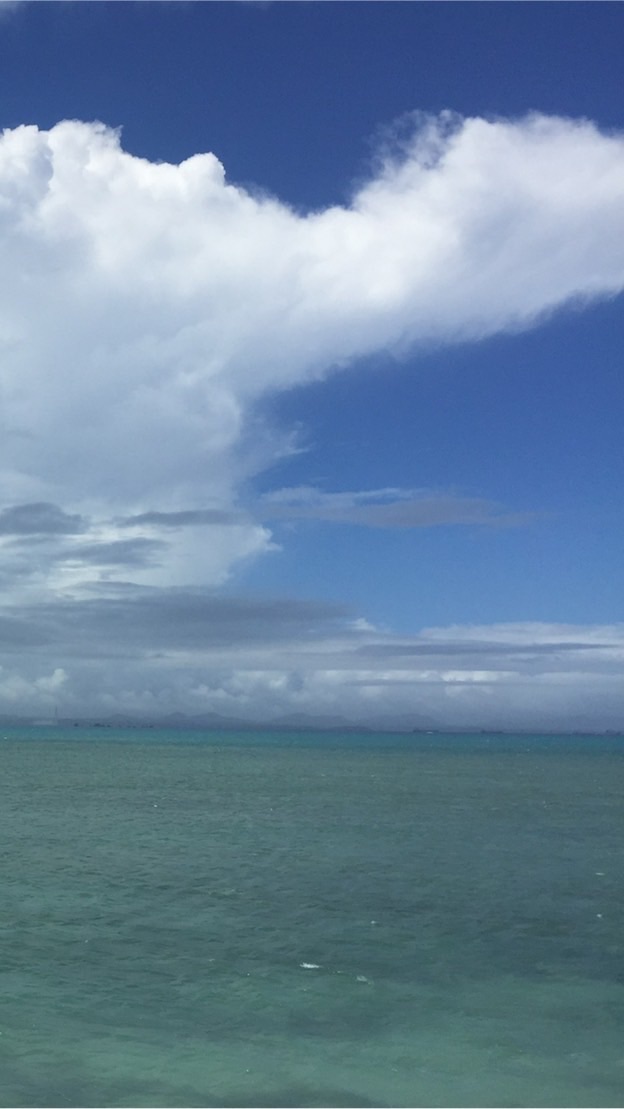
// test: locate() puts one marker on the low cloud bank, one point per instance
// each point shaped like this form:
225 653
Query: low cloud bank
150 652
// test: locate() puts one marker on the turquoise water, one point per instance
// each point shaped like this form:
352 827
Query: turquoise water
460 900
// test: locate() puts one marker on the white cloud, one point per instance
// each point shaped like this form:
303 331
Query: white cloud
36 693
145 307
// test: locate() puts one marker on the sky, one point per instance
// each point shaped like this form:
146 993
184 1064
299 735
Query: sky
311 340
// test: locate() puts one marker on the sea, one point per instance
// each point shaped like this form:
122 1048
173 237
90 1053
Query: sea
310 919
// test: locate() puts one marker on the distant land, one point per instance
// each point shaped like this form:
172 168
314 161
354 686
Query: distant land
296 722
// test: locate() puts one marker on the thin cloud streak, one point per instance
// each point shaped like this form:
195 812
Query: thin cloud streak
386 508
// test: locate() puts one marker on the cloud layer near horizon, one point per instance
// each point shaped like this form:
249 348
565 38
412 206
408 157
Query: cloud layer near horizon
148 652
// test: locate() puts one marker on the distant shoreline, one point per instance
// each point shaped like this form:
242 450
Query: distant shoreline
198 725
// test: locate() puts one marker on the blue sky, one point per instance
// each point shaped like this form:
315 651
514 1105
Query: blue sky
320 416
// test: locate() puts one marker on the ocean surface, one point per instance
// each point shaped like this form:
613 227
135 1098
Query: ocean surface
310 920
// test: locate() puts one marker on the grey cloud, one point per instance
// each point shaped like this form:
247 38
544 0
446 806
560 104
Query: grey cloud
141 650
387 508
40 518
232 621
119 552
15 632
466 647
141 620
125 620
202 517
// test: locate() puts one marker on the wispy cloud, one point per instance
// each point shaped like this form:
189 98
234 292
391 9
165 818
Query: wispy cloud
385 508
185 518
7 6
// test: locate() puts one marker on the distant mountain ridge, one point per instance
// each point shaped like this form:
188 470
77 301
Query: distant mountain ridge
300 721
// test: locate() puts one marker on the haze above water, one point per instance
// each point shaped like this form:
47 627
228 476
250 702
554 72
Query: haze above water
276 920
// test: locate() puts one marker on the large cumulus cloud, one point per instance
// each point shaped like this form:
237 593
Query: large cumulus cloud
145 307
